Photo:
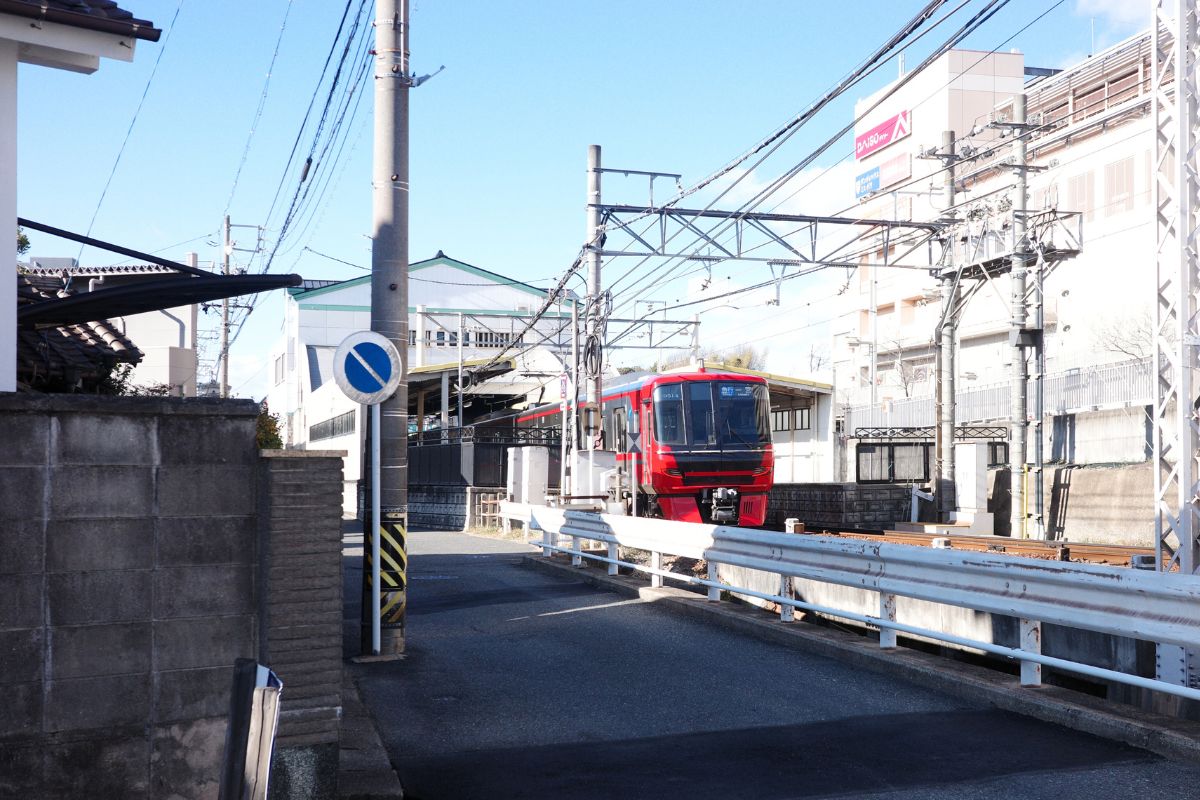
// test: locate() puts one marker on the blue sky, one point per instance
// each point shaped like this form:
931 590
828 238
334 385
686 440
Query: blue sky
498 140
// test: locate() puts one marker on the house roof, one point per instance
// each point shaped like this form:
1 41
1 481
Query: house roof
87 272
66 357
149 295
303 293
94 15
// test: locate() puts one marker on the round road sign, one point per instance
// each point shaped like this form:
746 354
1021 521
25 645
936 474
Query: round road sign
367 367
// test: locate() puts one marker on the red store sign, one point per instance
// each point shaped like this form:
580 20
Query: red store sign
890 130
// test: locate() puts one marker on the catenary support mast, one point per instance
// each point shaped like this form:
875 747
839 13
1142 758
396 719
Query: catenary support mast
1175 53
593 365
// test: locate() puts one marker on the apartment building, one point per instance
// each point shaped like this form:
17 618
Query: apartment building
1090 150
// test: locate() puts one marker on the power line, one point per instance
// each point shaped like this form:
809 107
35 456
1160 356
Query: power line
262 102
972 25
137 111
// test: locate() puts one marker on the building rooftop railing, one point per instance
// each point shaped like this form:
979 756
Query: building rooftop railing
1094 388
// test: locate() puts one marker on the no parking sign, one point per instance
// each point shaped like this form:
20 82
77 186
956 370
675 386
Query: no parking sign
367 367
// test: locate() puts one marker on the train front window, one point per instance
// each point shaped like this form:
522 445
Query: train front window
668 414
743 416
700 413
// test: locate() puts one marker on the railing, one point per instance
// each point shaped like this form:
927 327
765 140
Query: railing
1139 604
491 435
1085 389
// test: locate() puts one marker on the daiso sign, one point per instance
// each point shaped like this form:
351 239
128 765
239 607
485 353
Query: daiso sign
890 130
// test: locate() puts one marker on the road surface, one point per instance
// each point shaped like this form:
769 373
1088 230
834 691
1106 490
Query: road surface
520 684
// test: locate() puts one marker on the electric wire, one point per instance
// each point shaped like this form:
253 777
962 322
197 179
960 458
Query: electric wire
129 132
973 23
258 112
998 145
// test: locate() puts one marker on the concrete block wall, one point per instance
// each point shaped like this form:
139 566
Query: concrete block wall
836 506
127 590
300 517
134 570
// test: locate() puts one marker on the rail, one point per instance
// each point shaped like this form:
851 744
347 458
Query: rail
1139 604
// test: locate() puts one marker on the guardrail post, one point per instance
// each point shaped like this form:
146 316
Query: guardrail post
787 613
714 592
613 555
656 580
576 557
1031 642
546 542
887 613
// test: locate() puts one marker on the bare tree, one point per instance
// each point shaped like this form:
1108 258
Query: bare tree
817 358
741 357
1130 335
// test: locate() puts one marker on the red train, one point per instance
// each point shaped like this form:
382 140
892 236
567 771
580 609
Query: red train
700 443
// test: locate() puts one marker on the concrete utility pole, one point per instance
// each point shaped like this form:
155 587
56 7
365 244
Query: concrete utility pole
1017 334
944 485
595 376
226 250
389 303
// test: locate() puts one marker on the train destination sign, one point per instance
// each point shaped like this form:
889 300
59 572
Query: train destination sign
885 133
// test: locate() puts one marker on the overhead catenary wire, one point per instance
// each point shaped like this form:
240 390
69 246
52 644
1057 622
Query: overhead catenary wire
849 81
989 9
776 140
998 145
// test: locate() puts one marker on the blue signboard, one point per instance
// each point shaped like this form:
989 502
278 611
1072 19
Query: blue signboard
867 183
367 367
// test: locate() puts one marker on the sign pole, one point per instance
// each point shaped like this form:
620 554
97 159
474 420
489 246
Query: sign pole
376 616
368 368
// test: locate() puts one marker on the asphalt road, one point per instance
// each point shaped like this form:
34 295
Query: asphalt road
519 684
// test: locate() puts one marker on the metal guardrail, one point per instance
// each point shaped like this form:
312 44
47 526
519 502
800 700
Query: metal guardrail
1077 390
1138 604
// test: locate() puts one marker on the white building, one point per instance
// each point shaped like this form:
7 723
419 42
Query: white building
71 36
449 301
1090 148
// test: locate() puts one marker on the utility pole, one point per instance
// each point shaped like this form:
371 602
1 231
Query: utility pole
944 484
226 250
594 325
389 305
1018 336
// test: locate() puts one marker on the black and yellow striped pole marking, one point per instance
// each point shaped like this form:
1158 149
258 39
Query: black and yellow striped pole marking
393 568
393 581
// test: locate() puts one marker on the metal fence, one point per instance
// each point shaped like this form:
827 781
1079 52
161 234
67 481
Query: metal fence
1138 604
1093 388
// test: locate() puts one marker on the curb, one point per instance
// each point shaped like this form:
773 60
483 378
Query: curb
1172 738
364 770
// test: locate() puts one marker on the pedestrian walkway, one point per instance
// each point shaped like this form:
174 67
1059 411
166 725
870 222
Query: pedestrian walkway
364 770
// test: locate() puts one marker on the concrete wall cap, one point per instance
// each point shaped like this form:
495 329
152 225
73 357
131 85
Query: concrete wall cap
102 404
303 453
